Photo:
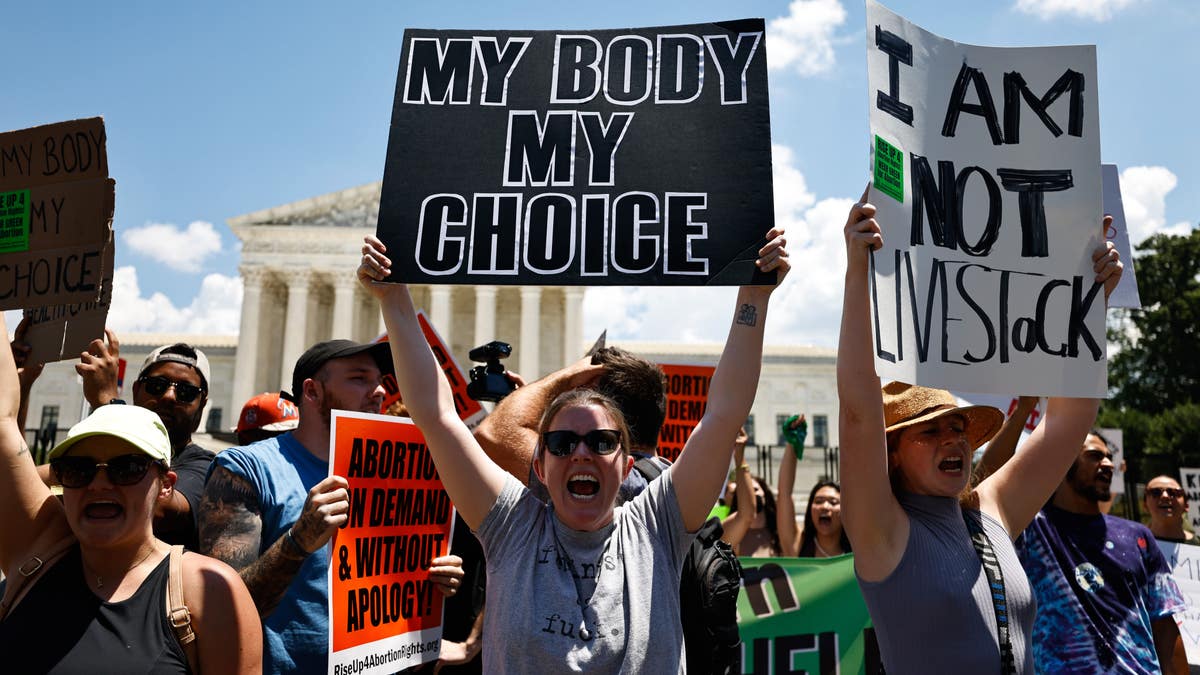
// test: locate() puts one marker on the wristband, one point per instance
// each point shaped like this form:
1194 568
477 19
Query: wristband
744 467
290 541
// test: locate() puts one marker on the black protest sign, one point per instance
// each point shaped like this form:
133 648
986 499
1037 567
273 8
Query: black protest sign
56 207
636 156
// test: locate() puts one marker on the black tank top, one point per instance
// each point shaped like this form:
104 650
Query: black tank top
62 627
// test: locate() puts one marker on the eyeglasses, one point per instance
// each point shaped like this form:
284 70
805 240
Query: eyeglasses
562 443
79 472
1173 493
158 385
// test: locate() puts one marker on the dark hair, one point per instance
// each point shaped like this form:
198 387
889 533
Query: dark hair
768 512
1075 463
638 387
583 397
808 537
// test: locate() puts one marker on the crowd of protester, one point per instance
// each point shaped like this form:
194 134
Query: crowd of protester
174 558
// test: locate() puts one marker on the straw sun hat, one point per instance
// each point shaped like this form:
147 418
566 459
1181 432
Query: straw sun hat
906 404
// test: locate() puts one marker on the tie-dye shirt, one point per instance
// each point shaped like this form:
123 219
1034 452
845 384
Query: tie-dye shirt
1100 582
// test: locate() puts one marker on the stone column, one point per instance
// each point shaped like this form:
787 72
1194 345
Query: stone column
531 326
485 315
246 367
295 324
440 312
343 304
572 323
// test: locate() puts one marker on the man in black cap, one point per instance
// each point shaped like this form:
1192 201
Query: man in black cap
269 508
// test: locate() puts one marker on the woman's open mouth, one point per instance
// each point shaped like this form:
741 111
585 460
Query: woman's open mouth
583 486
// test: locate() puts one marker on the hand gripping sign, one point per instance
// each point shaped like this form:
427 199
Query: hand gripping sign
384 612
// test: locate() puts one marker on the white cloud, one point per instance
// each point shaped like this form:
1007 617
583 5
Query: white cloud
216 309
1144 191
183 250
1096 10
803 40
806 309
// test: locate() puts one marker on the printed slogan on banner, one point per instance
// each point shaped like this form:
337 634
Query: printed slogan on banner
637 156
986 177
384 612
687 397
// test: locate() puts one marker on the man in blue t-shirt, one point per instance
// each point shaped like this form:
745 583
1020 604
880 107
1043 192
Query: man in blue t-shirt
1104 591
270 508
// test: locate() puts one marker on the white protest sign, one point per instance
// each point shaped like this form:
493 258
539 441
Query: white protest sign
1116 445
1191 485
987 183
1126 292
1184 560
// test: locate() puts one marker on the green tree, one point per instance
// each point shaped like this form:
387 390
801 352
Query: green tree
1155 377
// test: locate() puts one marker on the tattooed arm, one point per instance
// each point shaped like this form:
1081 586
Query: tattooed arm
231 531
700 470
31 515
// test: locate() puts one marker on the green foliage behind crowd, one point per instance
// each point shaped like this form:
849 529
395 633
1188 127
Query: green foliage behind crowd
1155 377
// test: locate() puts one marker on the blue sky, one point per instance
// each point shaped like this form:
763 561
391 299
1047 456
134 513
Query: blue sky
218 109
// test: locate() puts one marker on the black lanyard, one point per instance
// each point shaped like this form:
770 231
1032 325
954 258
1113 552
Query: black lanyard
991 567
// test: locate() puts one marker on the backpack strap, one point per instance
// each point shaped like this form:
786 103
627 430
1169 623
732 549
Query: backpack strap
995 578
649 468
19 584
177 611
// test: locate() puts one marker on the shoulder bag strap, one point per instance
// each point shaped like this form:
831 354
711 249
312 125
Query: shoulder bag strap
29 571
991 567
177 611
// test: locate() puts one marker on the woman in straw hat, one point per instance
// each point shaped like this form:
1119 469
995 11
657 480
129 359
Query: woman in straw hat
87 580
920 534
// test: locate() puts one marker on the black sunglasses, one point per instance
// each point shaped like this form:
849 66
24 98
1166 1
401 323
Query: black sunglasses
562 443
78 472
158 385
1173 493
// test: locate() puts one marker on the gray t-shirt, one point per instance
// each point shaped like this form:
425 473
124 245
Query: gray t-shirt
934 612
624 578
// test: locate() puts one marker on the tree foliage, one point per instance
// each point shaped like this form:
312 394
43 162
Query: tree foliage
1155 377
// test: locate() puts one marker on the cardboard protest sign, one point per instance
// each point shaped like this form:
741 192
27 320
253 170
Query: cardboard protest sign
384 613
635 156
1191 485
987 184
469 410
62 332
804 615
1184 560
1126 292
687 397
56 207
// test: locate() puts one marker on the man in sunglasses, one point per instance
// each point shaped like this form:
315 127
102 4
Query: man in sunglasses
173 382
1167 504
1105 595
270 508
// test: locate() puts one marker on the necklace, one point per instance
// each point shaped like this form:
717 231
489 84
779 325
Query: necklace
100 579
824 553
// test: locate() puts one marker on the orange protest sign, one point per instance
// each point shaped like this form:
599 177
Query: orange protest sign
687 397
384 612
469 410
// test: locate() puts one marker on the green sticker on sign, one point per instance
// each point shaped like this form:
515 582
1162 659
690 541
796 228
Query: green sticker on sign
14 221
889 169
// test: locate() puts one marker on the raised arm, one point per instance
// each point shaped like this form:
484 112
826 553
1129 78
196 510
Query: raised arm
27 372
1017 490
735 526
785 506
472 479
1002 446
510 434
701 467
875 524
32 516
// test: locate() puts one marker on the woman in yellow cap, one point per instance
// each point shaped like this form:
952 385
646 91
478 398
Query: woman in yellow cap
934 557
87 586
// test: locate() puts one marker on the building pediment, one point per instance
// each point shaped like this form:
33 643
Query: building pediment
355 208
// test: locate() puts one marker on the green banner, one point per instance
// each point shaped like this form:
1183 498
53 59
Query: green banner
804 615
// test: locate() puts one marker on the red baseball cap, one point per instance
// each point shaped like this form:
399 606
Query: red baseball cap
269 412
